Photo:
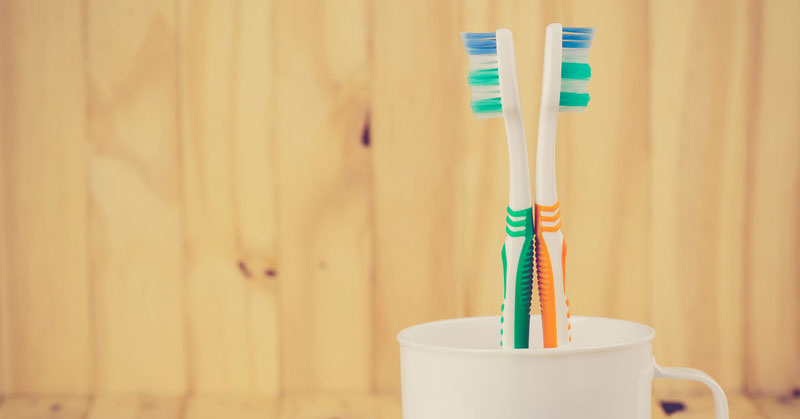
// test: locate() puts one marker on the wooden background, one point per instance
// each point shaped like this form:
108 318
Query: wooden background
253 197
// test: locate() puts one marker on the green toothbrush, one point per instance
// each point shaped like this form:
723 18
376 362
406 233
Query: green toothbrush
493 80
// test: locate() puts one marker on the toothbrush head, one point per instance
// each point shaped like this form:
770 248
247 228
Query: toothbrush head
484 77
575 69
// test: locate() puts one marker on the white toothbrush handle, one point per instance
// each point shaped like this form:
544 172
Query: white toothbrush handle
519 194
548 118
550 245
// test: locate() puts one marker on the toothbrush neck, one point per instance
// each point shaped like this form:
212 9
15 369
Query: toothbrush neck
546 157
548 119
519 188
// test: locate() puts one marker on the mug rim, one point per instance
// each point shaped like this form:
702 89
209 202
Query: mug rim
536 352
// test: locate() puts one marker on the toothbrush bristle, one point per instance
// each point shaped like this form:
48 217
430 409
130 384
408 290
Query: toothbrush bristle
575 69
483 78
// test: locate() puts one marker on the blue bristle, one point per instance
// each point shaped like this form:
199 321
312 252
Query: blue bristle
576 44
482 44
573 37
577 30
576 37
479 43
477 35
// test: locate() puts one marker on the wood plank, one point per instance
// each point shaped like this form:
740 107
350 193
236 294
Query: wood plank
44 407
417 148
701 406
44 289
388 406
307 406
229 171
329 406
5 106
773 233
324 191
232 408
4 53
128 407
782 407
699 131
135 208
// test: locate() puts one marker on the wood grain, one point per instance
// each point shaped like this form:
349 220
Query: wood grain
786 406
416 156
232 407
44 407
701 406
3 267
319 406
128 407
135 229
773 205
229 179
329 407
324 194
252 198
45 286
388 406
5 112
698 175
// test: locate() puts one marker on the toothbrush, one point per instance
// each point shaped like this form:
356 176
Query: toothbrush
564 88
493 80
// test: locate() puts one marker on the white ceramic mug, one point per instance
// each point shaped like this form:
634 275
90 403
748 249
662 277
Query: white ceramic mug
455 369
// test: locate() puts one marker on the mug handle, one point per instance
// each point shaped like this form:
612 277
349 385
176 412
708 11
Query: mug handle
677 373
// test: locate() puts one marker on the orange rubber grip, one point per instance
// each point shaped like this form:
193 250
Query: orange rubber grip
544 275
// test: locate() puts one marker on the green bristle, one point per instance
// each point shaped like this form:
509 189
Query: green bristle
573 99
578 71
487 105
484 77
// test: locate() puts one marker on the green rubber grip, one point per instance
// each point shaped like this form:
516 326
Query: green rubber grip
524 277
